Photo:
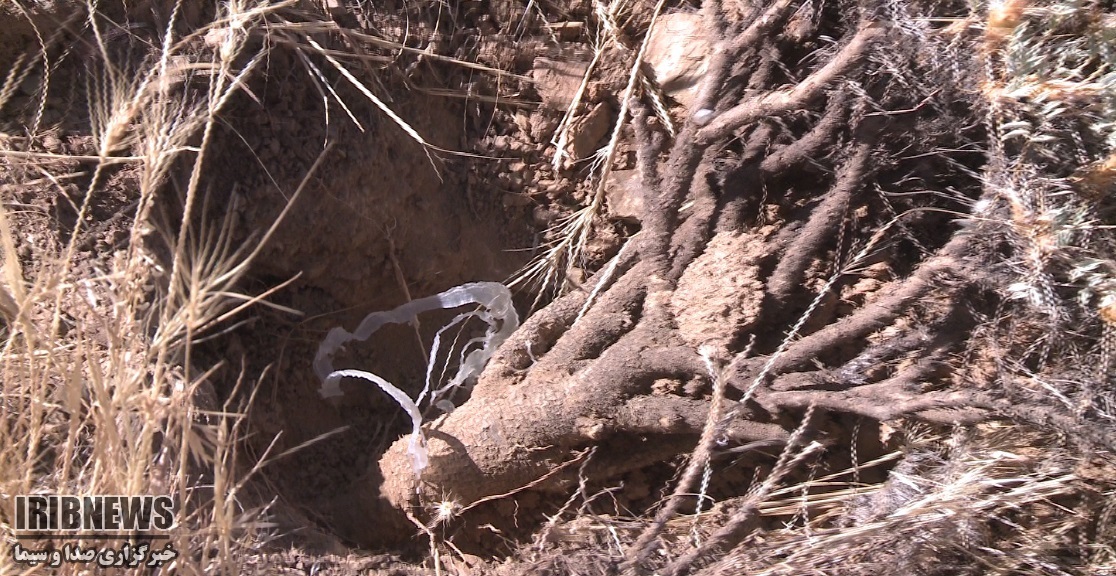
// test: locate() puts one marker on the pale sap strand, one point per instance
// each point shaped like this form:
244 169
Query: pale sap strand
498 313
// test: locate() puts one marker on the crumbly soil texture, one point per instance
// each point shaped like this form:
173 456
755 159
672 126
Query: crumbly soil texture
765 249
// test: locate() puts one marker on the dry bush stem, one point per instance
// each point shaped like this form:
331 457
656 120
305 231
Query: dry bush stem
780 102
823 221
728 51
876 314
699 459
693 233
746 517
809 146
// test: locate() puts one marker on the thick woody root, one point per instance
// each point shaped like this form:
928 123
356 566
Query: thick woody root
534 407
697 285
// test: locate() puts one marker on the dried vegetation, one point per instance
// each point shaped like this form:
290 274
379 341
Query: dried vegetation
862 320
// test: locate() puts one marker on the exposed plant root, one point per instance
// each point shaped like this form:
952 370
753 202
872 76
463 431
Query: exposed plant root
590 371
582 371
596 369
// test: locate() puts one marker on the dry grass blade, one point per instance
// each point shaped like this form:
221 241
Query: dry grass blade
548 268
316 27
395 118
12 291
112 406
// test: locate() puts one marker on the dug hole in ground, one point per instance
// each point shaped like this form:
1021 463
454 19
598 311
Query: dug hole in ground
636 287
